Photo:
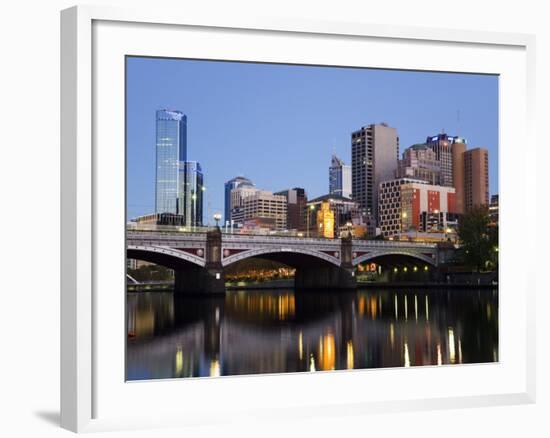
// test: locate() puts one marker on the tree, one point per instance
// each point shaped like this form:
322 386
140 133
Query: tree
479 240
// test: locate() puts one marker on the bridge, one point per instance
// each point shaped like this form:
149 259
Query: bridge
199 258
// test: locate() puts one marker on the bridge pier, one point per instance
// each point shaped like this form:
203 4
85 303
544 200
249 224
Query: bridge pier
329 276
207 280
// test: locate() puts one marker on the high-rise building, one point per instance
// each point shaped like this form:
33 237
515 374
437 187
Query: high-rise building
190 202
458 149
374 155
476 178
441 145
296 199
339 177
239 181
171 152
419 162
408 204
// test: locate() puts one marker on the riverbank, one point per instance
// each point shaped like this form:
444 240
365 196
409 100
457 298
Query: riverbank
289 284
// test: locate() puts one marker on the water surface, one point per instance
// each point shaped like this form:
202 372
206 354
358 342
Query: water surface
277 331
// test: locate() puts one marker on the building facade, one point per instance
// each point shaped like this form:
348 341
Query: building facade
339 178
414 205
325 221
262 206
296 199
419 162
345 210
476 178
374 156
236 215
239 181
163 219
191 193
171 152
458 149
441 145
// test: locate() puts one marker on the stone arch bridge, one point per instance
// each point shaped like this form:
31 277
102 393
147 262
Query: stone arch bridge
199 259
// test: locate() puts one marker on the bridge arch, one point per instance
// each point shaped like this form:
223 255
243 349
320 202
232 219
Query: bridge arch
394 252
288 256
168 257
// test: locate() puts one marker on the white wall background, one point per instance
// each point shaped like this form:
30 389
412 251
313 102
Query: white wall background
29 213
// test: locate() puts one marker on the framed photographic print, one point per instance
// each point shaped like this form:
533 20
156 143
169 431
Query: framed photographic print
257 208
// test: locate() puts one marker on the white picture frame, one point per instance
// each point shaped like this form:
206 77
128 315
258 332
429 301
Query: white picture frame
87 235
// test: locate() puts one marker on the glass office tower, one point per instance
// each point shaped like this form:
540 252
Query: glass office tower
171 153
191 193
339 178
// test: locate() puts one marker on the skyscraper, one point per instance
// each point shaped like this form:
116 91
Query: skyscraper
230 185
171 152
339 178
419 162
374 155
476 178
191 193
441 145
445 152
458 149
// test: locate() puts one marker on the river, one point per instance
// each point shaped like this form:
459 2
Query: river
277 331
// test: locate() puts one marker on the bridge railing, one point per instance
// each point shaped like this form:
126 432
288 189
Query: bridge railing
166 231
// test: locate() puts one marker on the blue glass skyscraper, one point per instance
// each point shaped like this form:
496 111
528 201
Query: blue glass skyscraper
171 154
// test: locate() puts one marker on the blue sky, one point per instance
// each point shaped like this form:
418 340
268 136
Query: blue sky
279 124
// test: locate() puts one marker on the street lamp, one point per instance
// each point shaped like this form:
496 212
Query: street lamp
194 212
217 218
311 207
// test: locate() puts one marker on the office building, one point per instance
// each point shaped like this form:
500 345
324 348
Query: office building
153 219
458 149
261 205
296 199
419 162
441 145
339 178
476 178
239 181
171 152
414 205
374 156
190 202
236 215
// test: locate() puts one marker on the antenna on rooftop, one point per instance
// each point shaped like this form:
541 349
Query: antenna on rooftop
457 122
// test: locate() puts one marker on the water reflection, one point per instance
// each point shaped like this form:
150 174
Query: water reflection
274 331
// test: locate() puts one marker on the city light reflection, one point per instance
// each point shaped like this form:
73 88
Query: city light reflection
452 357
349 357
407 361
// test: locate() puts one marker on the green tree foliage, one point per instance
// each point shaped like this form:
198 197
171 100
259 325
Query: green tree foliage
151 273
478 239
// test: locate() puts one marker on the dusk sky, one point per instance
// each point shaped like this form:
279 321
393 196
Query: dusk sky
279 124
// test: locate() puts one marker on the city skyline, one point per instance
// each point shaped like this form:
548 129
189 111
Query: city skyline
227 146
